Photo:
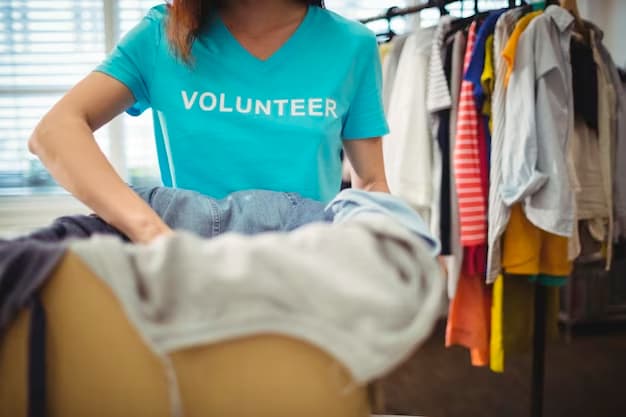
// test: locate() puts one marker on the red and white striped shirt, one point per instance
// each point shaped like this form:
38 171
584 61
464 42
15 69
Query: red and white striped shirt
467 168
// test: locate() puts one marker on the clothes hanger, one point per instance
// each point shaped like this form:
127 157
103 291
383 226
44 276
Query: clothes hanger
459 24
389 34
572 7
527 7
389 15
464 22
442 8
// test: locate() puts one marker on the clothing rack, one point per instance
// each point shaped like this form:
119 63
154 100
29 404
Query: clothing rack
539 335
396 12
430 4
539 352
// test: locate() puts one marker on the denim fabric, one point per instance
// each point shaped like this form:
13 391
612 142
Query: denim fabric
255 211
352 202
245 212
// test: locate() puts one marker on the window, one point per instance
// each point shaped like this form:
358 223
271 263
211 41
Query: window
47 46
462 8
360 9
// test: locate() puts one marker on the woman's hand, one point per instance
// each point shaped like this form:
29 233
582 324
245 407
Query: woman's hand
148 231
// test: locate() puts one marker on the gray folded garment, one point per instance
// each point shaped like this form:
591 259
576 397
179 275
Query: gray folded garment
367 290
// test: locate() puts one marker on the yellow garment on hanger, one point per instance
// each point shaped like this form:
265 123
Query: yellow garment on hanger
529 250
513 317
508 53
496 344
384 49
488 80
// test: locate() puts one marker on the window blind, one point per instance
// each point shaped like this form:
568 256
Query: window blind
45 48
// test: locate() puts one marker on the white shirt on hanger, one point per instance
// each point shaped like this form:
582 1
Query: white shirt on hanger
539 118
407 149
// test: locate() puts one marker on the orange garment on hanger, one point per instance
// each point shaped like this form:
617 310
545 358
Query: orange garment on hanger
508 53
469 318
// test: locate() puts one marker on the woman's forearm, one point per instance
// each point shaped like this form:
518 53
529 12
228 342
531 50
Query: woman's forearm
66 146
368 171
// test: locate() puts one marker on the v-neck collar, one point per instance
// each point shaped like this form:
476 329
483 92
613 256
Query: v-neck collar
233 46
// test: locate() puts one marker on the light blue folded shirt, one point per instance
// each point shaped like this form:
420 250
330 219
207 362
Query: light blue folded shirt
351 202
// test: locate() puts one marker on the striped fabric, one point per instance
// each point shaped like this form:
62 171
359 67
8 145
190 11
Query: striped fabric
437 99
467 171
438 94
499 213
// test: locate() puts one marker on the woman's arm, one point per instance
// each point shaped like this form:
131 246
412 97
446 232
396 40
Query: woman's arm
366 157
64 142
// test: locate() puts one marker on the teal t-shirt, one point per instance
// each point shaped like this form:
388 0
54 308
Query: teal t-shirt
231 121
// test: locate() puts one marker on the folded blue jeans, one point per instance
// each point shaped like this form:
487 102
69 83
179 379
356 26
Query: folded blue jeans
256 211
246 212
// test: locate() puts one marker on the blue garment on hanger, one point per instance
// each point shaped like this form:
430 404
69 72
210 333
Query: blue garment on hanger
477 65
477 62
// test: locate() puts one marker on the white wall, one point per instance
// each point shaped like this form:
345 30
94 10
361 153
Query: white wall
610 16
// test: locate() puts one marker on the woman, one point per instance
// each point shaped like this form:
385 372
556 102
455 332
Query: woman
246 94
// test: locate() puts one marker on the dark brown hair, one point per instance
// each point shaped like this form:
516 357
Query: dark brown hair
186 18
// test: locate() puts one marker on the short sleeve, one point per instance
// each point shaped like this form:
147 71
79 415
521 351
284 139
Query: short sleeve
132 61
366 116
